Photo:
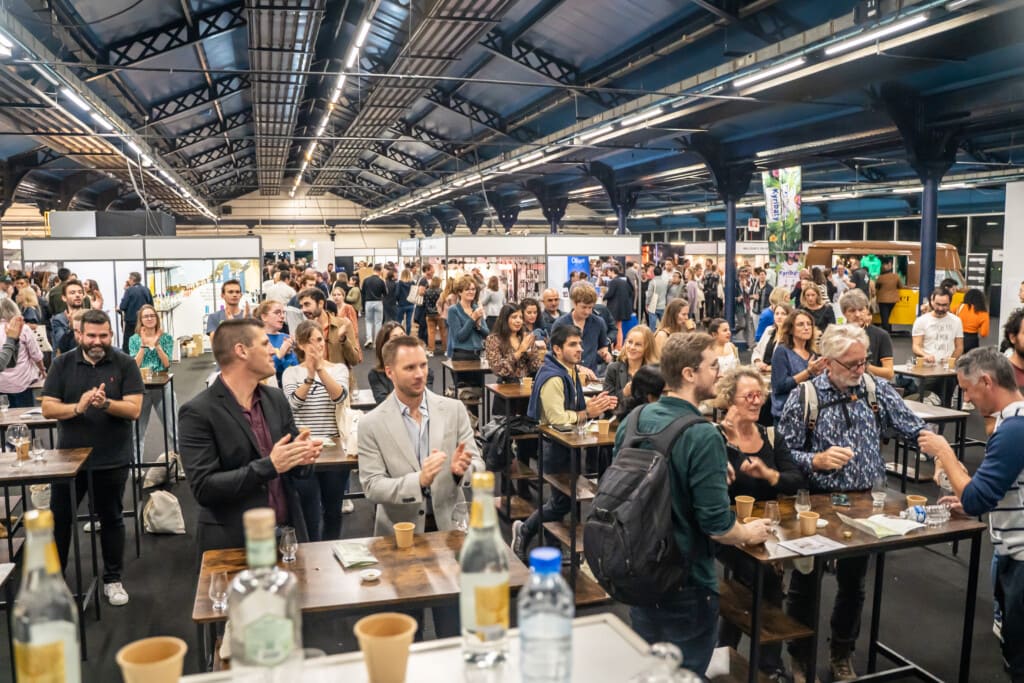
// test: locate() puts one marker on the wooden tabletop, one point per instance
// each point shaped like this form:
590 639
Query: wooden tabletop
930 413
924 371
511 391
574 440
60 463
959 526
466 365
335 456
159 379
363 400
15 416
420 576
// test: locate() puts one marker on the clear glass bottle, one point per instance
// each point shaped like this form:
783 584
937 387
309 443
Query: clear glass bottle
483 590
546 608
45 618
264 609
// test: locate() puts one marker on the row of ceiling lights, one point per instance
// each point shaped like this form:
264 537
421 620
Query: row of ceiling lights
666 110
339 84
105 129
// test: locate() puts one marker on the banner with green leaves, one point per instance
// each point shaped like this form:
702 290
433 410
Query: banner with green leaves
782 209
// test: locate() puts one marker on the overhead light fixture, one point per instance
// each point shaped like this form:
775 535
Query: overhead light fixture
828 142
363 30
586 190
960 4
146 161
5 42
335 96
764 74
589 135
953 186
353 55
133 147
311 149
871 36
45 73
533 156
643 116
906 190
74 99
509 165
102 122
320 129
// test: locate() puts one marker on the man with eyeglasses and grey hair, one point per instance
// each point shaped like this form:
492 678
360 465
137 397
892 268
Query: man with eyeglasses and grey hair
841 453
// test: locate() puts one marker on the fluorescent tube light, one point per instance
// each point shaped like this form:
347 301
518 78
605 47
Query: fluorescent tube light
363 30
871 36
508 165
531 157
5 42
146 161
353 55
74 99
953 186
586 190
583 137
320 129
45 73
769 72
643 116
335 96
340 83
133 147
102 122
906 190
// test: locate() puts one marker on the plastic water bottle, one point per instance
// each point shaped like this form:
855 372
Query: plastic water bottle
916 513
546 609
666 667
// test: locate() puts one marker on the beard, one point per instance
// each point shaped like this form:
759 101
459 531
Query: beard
96 351
311 315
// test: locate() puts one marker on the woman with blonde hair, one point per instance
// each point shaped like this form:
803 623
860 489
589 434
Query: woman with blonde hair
823 314
676 319
637 351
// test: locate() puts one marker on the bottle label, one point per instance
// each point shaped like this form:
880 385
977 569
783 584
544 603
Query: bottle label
491 603
52 657
269 640
476 514
261 553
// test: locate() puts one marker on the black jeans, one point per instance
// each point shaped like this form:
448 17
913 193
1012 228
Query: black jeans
690 623
321 496
558 505
884 313
743 568
1009 592
107 496
850 573
971 341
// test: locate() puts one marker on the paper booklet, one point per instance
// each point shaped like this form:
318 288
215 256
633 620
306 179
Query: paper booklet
352 555
811 545
882 526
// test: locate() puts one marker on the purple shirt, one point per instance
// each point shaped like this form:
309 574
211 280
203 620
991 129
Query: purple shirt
260 429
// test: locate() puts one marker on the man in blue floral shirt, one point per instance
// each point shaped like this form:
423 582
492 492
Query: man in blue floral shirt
841 454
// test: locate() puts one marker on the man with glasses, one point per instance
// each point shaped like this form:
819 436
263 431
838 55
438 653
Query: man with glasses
937 338
842 453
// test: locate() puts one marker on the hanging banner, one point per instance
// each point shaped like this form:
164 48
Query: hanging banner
782 208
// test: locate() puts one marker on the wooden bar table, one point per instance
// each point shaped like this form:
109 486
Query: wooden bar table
919 371
362 400
959 527
423 575
511 395
58 465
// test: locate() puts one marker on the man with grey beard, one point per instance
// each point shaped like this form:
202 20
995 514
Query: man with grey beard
95 392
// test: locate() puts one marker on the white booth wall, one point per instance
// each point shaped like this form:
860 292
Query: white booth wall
1013 243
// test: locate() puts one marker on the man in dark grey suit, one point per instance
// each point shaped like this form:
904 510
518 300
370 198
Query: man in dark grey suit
239 443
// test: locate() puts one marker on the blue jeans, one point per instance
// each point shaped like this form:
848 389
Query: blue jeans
22 399
1009 592
374 319
321 495
405 317
690 623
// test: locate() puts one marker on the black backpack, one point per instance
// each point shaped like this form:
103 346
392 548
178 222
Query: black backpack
628 538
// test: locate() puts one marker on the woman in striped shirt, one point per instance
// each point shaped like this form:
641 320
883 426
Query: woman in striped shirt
315 388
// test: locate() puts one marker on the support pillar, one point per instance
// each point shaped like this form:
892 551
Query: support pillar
623 199
929 235
730 260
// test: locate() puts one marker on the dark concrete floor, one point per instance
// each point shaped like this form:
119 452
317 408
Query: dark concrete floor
922 611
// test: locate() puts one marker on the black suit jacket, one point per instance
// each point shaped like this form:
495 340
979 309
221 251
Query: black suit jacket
619 299
225 471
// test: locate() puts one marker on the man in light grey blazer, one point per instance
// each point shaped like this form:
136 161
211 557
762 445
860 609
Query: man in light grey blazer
416 449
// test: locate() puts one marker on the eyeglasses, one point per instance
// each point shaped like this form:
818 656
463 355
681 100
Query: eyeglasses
859 365
753 397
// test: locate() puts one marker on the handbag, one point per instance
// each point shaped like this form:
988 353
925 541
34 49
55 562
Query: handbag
162 514
414 297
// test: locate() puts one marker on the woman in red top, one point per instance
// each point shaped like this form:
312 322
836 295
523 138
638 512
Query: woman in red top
973 313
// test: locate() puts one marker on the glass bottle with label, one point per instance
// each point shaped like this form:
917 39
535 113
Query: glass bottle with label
264 610
45 619
483 591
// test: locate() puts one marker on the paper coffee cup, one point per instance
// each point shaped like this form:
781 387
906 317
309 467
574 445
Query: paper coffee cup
808 523
403 534
916 500
152 660
604 426
384 640
744 506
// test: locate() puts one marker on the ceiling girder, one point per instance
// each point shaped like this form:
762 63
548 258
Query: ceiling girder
247 177
218 153
389 175
214 174
203 133
398 156
197 97
426 136
477 113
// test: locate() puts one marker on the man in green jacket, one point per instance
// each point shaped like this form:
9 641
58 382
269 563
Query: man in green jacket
700 494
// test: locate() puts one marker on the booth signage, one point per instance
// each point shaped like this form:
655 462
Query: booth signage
579 264
782 209
754 224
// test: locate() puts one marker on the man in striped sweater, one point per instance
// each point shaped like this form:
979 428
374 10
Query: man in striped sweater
997 487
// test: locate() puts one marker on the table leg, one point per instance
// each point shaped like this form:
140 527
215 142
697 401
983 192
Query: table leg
903 471
755 623
167 440
92 541
133 475
444 380
969 609
574 469
78 565
540 484
961 437
174 413
508 485
876 612
9 597
811 665
7 523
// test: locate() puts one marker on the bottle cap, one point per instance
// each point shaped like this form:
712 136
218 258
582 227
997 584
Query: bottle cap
259 522
483 480
546 560
38 520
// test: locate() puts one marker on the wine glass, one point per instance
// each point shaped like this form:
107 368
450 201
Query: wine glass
289 545
460 517
219 591
17 436
5 403
773 514
803 501
38 452
878 491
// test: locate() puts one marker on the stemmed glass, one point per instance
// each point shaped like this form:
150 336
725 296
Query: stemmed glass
289 544
803 501
4 403
18 436
460 517
219 591
773 514
38 452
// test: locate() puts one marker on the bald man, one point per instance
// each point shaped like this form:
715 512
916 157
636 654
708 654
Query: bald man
550 313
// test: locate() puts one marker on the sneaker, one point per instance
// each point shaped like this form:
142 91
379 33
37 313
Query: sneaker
519 541
347 506
368 344
799 675
997 629
842 667
90 527
116 594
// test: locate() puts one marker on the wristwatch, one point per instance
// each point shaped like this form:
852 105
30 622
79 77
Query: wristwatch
106 404
309 380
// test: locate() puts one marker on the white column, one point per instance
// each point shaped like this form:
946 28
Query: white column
1013 243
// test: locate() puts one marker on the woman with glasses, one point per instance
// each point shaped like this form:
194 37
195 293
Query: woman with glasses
271 314
759 466
467 328
795 359
315 388
152 349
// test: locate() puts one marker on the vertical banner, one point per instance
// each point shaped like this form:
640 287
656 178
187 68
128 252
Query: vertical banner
782 208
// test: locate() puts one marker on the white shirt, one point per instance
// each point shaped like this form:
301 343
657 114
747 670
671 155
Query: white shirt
280 292
940 334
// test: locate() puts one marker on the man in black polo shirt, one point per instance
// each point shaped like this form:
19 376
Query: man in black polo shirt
95 392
